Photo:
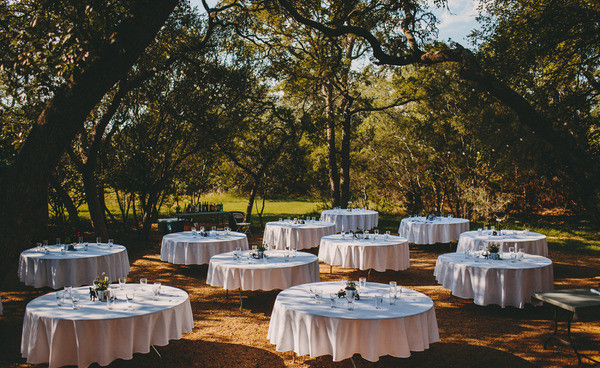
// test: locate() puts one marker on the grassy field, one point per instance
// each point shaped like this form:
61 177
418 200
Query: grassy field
568 236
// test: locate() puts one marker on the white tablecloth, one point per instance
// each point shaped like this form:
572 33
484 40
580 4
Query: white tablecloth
299 324
500 282
355 219
74 268
381 254
270 273
300 236
184 248
532 243
419 230
63 336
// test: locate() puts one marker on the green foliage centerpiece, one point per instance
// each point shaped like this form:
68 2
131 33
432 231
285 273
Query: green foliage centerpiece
260 251
101 284
493 250
349 291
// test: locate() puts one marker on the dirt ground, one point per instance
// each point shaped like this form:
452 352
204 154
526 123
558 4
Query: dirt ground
225 336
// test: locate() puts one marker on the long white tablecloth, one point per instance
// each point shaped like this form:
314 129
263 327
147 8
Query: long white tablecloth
299 324
500 282
184 248
531 243
380 254
269 273
74 268
419 230
299 236
94 334
355 219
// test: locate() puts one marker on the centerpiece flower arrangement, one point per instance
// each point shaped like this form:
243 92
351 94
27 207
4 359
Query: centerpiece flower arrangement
349 290
493 250
260 251
101 284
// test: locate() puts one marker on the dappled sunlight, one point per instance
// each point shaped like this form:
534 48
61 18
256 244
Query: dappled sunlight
225 335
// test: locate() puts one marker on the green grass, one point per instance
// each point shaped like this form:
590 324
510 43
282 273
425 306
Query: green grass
572 236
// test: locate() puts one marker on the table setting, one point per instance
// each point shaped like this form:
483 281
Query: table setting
432 229
366 251
490 276
296 234
530 242
275 269
351 219
198 246
328 318
73 327
72 264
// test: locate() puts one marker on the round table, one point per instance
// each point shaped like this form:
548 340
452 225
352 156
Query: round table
270 273
419 230
500 282
79 267
284 234
301 325
380 254
94 334
185 248
530 242
354 219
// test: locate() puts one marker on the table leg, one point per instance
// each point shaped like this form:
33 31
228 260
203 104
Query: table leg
330 269
352 361
160 363
568 341
240 289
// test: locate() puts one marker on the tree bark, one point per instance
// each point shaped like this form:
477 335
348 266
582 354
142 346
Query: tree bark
24 185
67 201
345 150
334 175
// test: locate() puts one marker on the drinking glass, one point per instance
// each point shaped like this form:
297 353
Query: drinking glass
520 255
350 302
294 252
479 231
393 286
45 243
68 291
333 300
85 246
366 234
311 292
378 301
75 300
393 296
98 241
155 293
143 283
57 241
280 219
80 240
122 281
194 232
376 231
110 243
526 232
286 255
157 286
387 234
343 233
60 297
362 283
62 250
110 300
130 294
318 296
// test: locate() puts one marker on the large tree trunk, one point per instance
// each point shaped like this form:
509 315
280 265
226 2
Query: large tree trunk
24 185
345 151
67 201
334 175
251 199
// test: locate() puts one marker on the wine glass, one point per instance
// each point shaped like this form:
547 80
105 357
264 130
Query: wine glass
130 294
